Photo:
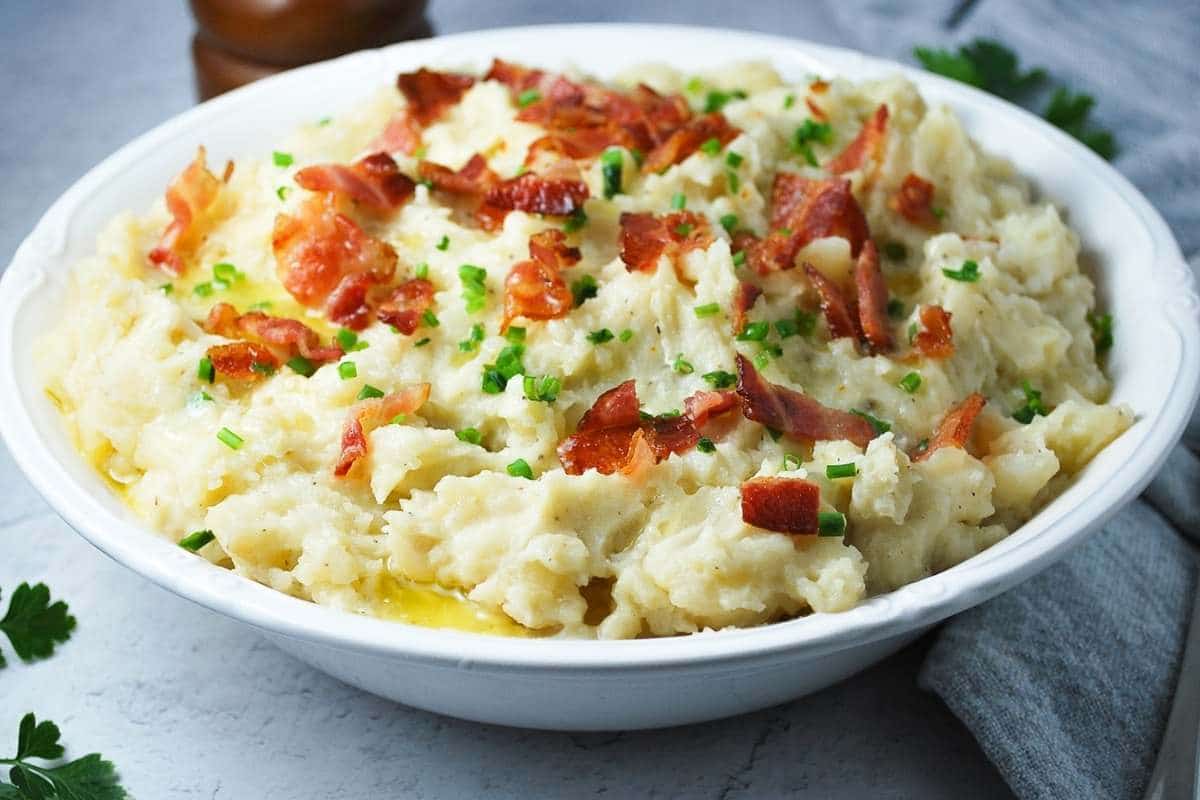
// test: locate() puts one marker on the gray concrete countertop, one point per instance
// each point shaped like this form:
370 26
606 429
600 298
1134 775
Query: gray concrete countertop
190 704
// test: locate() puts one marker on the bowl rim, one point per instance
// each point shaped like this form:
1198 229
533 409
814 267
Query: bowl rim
919 604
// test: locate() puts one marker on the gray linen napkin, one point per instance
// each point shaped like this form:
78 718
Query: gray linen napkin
1066 680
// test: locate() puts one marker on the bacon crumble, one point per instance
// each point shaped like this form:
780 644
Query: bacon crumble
794 412
366 415
783 505
867 145
406 304
914 202
266 341
838 315
535 289
872 299
935 339
188 197
613 435
803 210
743 300
374 181
955 428
645 237
687 140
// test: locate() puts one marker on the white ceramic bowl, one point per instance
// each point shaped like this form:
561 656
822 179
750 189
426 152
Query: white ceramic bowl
1155 365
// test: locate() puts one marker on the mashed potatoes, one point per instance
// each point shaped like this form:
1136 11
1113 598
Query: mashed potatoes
460 512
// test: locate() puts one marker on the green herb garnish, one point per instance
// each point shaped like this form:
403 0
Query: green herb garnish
520 469
611 162
348 341
707 310
474 288
720 379
576 221
347 370
1102 331
87 778
969 273
705 445
282 159
34 625
682 366
1033 405
831 523
679 201
754 332
196 539
811 131
716 99
469 435
473 339
879 425
205 370
729 222
711 146
528 97
601 336
584 289
508 365
443 243
230 439
301 366
910 382
835 471
625 335
368 392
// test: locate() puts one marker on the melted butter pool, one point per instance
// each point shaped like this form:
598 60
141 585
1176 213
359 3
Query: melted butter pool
434 607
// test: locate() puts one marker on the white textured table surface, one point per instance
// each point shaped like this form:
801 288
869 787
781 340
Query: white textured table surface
189 704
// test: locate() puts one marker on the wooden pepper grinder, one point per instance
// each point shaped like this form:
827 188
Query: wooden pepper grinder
239 41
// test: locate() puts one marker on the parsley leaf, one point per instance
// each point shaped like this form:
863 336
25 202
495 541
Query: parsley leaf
89 777
1069 111
33 625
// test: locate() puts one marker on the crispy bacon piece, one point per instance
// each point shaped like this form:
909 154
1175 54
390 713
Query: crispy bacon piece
405 305
784 505
645 238
402 134
867 145
955 428
317 250
289 337
743 301
838 316
872 299
237 360
431 93
794 412
613 436
188 196
367 415
818 113
687 140
704 405
538 194
935 339
535 289
472 179
803 210
373 181
517 78
914 202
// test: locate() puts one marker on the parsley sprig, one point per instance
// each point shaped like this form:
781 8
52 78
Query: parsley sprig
33 624
989 65
89 777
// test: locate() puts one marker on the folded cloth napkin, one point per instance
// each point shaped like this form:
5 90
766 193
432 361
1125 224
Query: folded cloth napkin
1066 681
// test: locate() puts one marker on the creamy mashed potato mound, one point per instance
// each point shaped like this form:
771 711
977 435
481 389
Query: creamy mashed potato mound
433 529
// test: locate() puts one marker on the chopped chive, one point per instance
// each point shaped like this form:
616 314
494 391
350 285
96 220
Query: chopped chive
205 370
204 289
791 462
196 539
542 390
733 160
520 469
729 222
695 85
720 379
715 100
421 151
528 97
683 229
912 332
969 273
584 289
473 339
261 305
399 419
601 336
348 341
1102 331
422 271
679 201
473 287
732 179
200 397
230 439
895 251
835 471
282 159
705 445
348 370
895 309
262 369
367 392
576 221
938 211
1033 404
739 258
811 131
754 332
443 243
625 335
610 170
789 101
323 121
166 288
430 319
711 146
515 334
227 272
421 342
301 366
881 427
469 435
508 365
910 382
682 366
282 193
762 359
831 523
707 310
